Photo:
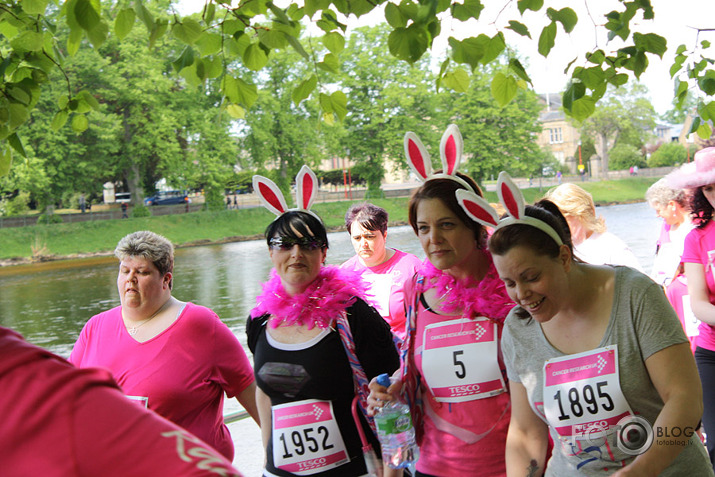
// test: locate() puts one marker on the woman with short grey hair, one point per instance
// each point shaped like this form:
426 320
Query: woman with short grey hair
173 357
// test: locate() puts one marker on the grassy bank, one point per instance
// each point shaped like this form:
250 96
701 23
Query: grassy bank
232 225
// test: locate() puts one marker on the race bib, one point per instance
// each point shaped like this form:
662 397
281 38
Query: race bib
306 437
143 401
460 360
689 321
380 289
582 394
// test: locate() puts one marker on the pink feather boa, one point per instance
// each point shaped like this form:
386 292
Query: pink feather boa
330 293
487 297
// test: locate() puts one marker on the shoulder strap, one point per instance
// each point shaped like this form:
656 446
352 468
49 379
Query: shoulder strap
359 376
410 377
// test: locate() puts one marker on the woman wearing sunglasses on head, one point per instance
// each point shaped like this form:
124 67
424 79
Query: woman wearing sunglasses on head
316 343
595 354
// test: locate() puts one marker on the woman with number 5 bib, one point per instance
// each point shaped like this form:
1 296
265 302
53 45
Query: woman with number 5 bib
453 374
595 354
315 344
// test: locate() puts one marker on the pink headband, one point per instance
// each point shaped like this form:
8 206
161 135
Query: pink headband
450 149
306 190
479 210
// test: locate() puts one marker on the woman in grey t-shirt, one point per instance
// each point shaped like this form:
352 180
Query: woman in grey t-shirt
595 356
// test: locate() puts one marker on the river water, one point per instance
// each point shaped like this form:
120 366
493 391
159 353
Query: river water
49 303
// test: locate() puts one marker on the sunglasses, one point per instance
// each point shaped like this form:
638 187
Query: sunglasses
306 244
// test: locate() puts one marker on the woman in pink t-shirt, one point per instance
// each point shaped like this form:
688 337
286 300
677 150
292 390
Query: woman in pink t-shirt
385 269
175 358
452 370
698 257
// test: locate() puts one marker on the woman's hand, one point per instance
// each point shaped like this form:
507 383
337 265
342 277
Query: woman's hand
379 395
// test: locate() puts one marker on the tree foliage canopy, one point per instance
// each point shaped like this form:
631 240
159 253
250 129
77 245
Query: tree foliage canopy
229 42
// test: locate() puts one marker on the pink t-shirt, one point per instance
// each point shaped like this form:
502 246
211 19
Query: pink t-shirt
387 281
59 421
181 374
460 438
700 248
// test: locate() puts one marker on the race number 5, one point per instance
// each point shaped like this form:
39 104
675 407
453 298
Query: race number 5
461 370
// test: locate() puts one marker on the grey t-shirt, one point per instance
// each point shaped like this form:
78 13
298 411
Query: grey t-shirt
642 323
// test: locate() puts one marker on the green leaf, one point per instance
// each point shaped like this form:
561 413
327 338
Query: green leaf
28 40
254 58
59 120
98 34
236 111
593 77
677 65
470 9
325 103
124 23
304 89
18 115
516 66
247 93
705 44
185 59
566 16
79 123
329 118
696 124
278 13
707 83
14 141
34 7
519 28
87 13
187 31
494 48
334 42
394 16
619 79
547 39
5 161
533 5
597 57
209 43
651 43
160 27
705 131
293 41
214 67
458 80
340 104
470 51
574 91
330 63
680 49
18 94
89 99
73 41
409 43
707 111
144 14
582 108
209 12
640 63
503 88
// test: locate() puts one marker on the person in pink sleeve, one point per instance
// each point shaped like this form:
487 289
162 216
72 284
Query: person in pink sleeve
60 421
698 259
385 269
175 358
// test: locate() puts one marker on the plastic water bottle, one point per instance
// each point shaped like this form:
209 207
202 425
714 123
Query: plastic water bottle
395 431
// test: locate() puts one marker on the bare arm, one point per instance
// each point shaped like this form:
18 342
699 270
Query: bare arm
675 377
527 438
247 399
698 291
263 403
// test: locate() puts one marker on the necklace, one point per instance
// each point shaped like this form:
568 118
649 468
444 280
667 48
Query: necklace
132 330
333 290
486 297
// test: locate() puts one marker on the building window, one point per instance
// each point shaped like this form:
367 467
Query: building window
555 136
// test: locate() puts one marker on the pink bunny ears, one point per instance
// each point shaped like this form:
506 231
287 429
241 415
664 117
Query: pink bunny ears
450 149
306 190
479 210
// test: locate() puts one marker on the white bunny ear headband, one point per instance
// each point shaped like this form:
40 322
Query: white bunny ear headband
450 149
479 210
306 190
